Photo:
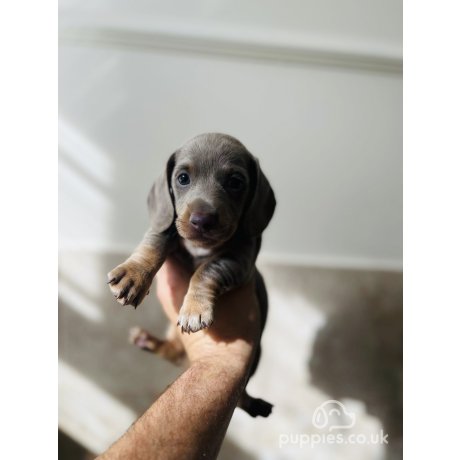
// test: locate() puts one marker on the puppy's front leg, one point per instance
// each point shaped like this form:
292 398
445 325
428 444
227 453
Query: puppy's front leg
131 280
210 280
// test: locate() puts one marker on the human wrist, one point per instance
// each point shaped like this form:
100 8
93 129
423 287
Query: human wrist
226 380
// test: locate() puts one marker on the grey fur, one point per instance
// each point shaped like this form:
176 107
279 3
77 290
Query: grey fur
208 154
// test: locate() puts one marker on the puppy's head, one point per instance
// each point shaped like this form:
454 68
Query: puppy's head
211 187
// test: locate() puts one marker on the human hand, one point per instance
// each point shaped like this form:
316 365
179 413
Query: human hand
235 331
190 418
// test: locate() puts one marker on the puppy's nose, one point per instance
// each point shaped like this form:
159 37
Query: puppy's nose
203 222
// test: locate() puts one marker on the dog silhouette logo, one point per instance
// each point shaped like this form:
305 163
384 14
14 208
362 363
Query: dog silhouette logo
333 414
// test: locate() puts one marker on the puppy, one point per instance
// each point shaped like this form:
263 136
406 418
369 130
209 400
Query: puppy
209 207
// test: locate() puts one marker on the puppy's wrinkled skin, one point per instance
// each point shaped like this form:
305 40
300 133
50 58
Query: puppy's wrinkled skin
209 209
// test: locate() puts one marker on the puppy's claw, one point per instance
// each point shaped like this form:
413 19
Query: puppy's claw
124 293
194 323
114 279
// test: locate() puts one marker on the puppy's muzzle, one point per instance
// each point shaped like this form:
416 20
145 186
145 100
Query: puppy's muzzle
203 222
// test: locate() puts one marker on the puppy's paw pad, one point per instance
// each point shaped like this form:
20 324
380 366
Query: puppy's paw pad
143 339
135 333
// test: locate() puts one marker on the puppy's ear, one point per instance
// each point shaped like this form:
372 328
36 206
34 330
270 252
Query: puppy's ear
161 201
261 205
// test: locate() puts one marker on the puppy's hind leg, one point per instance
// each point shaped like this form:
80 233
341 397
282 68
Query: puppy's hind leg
254 406
171 348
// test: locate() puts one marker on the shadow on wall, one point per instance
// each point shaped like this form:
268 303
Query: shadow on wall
358 354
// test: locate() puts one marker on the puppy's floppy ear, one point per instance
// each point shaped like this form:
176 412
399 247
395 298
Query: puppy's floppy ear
261 205
161 201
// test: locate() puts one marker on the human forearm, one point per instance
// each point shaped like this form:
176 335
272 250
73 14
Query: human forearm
190 418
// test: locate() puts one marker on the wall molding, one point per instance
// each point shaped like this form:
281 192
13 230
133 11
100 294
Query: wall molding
244 46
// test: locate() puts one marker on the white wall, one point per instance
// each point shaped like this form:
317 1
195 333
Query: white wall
314 89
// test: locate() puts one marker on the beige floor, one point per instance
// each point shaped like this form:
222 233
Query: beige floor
331 335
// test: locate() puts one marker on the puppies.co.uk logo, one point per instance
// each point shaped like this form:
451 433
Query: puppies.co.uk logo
333 415
329 416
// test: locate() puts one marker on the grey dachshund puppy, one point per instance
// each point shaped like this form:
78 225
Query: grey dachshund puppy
209 208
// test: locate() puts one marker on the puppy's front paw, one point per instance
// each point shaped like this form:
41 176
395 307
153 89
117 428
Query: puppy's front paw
130 283
196 313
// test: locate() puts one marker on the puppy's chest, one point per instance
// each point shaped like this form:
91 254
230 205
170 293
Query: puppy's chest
198 254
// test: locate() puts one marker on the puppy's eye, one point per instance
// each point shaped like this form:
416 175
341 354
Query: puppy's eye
183 179
235 183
